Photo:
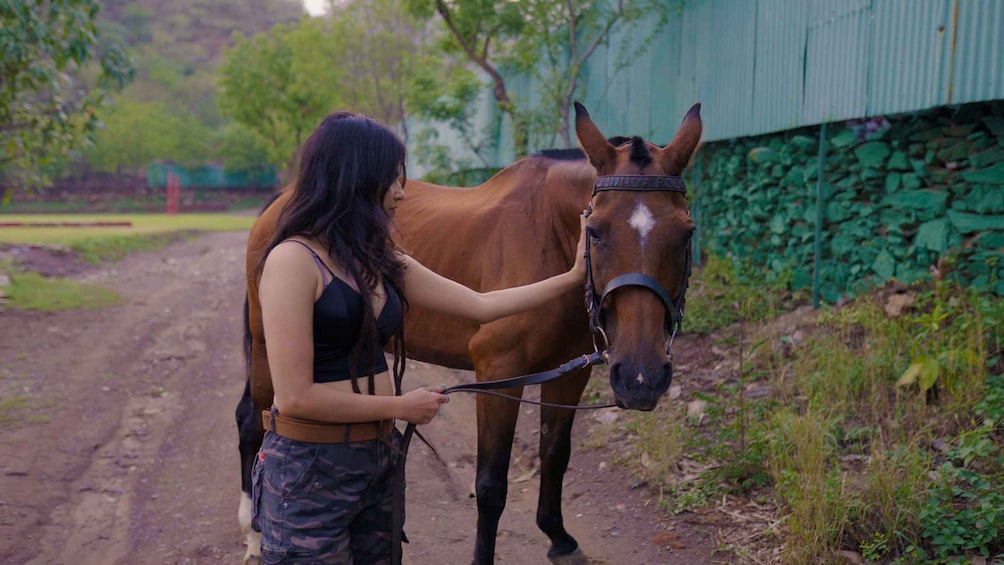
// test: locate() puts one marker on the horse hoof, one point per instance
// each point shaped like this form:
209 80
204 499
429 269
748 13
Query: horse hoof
252 560
574 558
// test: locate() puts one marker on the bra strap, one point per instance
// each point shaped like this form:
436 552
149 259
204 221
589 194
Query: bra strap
320 264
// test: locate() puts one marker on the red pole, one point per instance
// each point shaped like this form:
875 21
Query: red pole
173 190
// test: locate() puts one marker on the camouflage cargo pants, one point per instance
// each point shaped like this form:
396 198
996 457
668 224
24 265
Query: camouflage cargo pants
324 502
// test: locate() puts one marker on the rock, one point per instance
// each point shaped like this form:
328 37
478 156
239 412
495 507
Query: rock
933 235
970 223
873 153
991 175
898 162
896 303
696 408
843 139
760 155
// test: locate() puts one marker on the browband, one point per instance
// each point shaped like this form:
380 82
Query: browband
639 182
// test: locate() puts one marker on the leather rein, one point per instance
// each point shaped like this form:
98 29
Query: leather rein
594 308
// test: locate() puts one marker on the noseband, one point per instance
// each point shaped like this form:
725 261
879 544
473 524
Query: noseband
594 301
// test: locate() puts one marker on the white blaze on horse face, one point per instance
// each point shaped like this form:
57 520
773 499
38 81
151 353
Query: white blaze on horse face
642 220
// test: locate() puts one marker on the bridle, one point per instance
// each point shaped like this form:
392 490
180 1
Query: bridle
594 301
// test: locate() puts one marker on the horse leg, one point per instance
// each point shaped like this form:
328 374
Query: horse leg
250 437
555 450
496 428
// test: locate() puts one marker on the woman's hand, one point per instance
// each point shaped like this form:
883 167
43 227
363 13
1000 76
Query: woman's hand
579 268
421 405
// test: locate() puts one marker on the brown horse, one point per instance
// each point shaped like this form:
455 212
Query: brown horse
519 227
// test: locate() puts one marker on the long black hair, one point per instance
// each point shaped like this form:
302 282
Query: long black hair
346 166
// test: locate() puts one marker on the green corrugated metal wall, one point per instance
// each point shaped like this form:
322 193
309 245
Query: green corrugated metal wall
760 66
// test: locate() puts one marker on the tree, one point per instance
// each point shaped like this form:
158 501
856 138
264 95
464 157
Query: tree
138 133
49 94
279 85
477 28
512 38
377 45
569 33
369 57
393 69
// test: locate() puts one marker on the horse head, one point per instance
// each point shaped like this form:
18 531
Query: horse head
638 248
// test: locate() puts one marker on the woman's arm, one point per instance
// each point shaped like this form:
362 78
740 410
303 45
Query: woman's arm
289 285
430 290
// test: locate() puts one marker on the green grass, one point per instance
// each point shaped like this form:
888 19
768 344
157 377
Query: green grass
32 291
722 293
99 249
852 455
142 224
16 408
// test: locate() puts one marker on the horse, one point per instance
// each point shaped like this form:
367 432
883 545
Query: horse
521 226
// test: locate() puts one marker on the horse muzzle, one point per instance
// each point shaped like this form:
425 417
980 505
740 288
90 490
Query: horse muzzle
639 387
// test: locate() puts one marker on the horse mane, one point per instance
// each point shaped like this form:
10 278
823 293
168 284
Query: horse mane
561 154
576 154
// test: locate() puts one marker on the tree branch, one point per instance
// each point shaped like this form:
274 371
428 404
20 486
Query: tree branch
499 83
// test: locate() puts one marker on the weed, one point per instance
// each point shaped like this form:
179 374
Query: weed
112 248
32 291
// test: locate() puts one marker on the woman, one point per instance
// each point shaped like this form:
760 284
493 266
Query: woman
333 290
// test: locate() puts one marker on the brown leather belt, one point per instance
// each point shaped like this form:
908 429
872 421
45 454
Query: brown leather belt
323 432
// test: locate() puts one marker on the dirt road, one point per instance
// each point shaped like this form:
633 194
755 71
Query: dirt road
120 442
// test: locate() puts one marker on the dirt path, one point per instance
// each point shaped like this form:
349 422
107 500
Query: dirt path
121 444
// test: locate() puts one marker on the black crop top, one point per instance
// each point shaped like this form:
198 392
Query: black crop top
338 318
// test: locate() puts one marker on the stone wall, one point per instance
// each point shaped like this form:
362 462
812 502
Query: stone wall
901 193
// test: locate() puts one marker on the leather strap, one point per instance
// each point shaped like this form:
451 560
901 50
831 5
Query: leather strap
397 533
639 182
323 432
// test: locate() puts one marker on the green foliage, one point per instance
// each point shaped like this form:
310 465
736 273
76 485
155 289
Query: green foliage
721 289
964 510
451 101
112 248
279 85
964 514
32 291
138 133
239 149
54 79
566 34
853 461
549 40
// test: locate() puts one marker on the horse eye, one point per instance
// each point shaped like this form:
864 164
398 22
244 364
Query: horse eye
594 238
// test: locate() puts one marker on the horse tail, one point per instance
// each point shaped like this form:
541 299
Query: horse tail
247 339
249 434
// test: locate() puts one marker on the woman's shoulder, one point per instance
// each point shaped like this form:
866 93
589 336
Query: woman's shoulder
289 254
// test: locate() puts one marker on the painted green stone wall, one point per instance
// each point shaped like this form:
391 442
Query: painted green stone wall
899 193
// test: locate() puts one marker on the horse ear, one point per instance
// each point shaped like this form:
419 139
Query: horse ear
595 146
677 153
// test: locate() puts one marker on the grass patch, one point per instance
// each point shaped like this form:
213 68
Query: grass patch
12 408
15 407
724 292
32 291
142 224
881 435
100 249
